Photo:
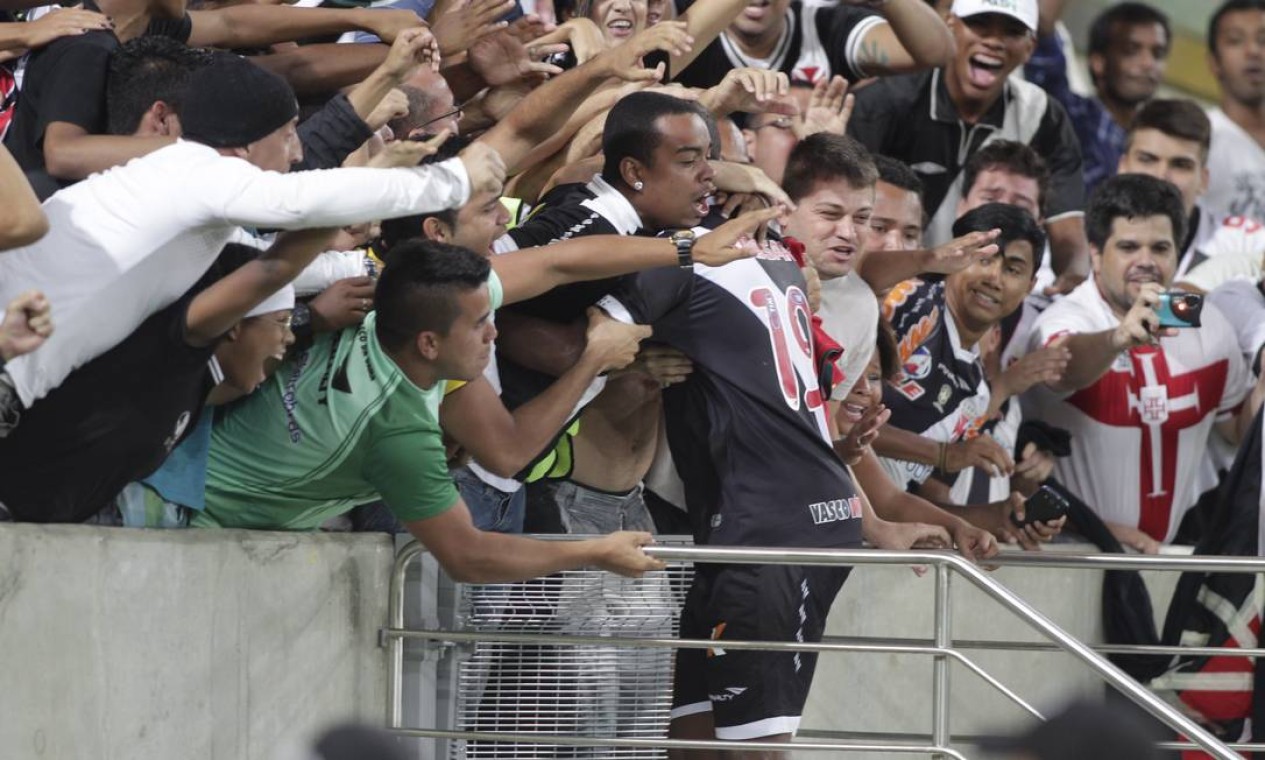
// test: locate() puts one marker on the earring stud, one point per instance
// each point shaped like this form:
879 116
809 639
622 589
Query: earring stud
638 185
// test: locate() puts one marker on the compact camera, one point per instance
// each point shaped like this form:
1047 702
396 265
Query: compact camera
1177 309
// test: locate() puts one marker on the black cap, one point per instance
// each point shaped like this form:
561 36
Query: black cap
232 103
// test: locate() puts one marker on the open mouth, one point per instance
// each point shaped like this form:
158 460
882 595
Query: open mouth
620 27
853 412
842 253
987 300
985 70
702 206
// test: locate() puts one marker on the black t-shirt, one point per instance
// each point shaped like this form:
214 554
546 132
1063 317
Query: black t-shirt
748 430
113 421
819 42
66 81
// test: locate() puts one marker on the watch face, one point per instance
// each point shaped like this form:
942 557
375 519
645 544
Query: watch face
682 235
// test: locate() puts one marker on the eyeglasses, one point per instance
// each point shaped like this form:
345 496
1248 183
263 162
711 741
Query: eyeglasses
458 113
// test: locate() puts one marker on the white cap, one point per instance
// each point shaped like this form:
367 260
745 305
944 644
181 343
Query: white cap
280 301
1025 11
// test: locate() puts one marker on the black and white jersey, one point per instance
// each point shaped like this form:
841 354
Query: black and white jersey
567 212
940 392
816 43
748 430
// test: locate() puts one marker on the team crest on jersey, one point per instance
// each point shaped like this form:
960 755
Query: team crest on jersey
919 364
908 388
1153 404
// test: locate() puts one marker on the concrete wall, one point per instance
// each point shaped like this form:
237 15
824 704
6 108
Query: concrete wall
198 645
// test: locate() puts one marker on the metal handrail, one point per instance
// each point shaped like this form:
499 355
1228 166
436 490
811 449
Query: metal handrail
943 562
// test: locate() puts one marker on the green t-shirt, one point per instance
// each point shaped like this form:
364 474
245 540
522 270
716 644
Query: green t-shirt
336 426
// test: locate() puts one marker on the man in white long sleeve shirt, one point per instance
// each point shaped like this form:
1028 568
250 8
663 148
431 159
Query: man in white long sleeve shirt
128 242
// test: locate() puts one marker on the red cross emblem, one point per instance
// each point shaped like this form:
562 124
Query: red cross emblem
1148 396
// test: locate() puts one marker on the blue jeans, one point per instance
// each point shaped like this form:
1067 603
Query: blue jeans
491 508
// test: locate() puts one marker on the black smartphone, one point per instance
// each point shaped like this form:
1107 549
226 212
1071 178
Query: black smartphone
1044 505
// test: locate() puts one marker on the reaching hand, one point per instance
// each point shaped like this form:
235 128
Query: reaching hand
829 109
583 36
853 446
404 153
981 451
485 167
1045 365
343 304
27 324
459 24
612 344
732 177
501 58
621 553
412 49
956 255
751 90
733 240
665 364
624 60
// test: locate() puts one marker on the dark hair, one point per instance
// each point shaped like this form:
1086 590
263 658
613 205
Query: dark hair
632 131
885 346
418 289
399 229
1009 156
1124 14
1182 119
144 71
1015 224
1133 196
826 157
898 174
1230 6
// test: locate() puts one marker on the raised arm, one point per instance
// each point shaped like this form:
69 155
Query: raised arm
547 109
883 270
914 37
215 310
704 21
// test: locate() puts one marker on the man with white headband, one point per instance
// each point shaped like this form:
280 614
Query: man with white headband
117 418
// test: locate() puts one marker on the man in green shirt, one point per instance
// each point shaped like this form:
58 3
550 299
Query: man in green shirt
355 417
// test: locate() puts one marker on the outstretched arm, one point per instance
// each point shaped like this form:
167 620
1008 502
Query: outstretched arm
914 37
215 310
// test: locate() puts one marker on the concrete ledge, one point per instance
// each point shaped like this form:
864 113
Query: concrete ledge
120 644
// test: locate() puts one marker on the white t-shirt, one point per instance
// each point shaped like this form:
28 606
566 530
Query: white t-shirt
1236 164
128 242
1139 433
849 314
1224 249
1243 303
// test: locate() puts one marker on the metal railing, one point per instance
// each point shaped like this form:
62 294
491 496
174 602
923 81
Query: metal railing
942 648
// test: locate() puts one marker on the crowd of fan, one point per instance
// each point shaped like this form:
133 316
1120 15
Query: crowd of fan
767 272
